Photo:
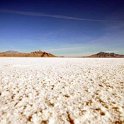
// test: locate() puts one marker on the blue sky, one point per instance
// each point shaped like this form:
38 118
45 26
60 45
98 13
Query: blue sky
66 27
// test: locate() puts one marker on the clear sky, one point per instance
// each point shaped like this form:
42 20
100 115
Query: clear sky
62 27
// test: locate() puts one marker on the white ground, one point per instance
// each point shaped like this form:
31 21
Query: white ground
61 91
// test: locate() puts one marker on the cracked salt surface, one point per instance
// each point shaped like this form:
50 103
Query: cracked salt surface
61 91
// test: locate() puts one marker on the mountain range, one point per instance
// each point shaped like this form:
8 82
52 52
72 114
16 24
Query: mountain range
21 54
40 53
106 55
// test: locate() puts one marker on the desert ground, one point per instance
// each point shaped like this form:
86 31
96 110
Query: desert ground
61 91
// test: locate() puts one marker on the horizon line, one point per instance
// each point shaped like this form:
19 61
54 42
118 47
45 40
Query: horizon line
47 51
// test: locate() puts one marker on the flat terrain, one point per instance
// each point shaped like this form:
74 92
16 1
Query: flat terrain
61 91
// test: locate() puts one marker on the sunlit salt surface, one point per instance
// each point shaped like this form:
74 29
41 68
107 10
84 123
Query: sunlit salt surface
61 91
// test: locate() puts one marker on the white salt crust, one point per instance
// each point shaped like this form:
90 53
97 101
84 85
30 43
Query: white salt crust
61 91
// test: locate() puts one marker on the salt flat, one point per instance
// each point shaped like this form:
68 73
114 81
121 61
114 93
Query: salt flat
61 91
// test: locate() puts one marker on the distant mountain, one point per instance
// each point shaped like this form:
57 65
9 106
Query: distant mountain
106 55
10 52
41 54
20 54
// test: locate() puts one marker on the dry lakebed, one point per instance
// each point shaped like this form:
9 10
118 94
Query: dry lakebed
61 91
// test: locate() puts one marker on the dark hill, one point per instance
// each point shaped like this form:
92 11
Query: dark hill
106 55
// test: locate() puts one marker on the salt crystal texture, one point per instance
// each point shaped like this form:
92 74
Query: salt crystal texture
61 91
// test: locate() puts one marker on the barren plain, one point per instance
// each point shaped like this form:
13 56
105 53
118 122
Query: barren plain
61 91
